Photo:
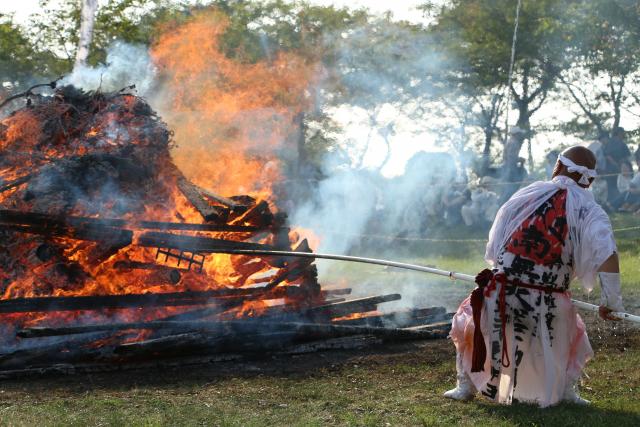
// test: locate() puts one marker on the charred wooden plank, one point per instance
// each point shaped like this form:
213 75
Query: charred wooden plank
39 219
342 343
442 326
49 225
159 273
159 225
48 352
331 292
399 319
351 306
90 367
45 304
211 327
309 331
229 203
170 345
156 239
16 182
110 236
205 209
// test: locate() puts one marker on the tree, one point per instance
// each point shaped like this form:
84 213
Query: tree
383 70
56 27
606 61
469 87
480 34
21 60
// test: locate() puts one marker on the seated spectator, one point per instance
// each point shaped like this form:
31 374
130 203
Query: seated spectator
452 200
483 206
600 185
629 188
550 163
616 152
625 176
599 189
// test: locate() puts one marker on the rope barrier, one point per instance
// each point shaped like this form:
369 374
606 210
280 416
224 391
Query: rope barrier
436 240
463 184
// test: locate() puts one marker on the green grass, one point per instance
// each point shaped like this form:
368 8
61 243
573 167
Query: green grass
399 389
393 385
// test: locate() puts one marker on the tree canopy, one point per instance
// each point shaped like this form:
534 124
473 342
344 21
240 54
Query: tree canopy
448 76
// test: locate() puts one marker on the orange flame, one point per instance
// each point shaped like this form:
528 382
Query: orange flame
233 122
231 116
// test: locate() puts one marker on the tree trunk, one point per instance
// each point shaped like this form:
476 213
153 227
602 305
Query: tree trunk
486 151
87 19
299 136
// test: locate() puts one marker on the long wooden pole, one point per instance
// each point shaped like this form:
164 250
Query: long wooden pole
450 274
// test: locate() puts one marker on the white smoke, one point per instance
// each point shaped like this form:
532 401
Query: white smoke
358 211
126 64
87 20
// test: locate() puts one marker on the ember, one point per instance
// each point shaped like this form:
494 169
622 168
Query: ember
109 253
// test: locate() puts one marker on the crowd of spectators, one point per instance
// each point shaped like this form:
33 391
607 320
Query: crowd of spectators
436 190
618 188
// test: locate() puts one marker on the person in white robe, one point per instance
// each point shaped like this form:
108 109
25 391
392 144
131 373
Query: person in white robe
518 336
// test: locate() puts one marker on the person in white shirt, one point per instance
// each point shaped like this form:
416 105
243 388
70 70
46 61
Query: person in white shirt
518 335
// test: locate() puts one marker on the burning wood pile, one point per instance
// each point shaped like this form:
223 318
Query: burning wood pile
110 255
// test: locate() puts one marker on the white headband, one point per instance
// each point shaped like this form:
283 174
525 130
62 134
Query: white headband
584 171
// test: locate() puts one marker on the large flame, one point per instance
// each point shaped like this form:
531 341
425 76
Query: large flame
233 121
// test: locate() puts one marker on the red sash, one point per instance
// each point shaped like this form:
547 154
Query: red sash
486 281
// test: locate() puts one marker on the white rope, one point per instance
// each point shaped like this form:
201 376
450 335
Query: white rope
511 63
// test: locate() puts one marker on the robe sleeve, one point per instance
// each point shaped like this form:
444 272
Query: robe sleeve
596 244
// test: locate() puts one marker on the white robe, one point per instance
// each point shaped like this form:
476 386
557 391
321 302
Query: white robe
546 339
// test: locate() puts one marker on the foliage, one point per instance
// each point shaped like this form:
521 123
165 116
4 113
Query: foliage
55 27
606 60
20 59
479 35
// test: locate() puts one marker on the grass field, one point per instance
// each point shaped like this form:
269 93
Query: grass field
398 384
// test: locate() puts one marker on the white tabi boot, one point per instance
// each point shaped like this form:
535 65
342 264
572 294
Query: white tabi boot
571 394
465 390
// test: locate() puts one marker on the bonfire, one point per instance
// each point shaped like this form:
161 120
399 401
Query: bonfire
109 253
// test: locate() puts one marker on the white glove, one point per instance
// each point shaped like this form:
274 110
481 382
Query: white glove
611 296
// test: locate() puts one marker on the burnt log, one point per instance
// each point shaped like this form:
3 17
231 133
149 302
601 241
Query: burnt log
224 297
45 331
434 326
159 273
227 228
15 183
399 319
206 330
233 206
195 244
326 293
324 330
40 219
52 226
343 343
170 345
208 212
349 307
50 352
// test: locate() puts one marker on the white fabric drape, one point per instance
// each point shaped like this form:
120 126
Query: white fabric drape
590 232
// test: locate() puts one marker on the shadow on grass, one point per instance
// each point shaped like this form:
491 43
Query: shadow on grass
429 353
561 415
